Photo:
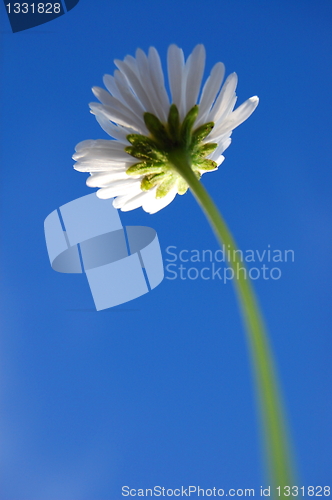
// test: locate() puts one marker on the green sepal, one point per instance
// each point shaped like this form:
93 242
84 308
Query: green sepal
157 129
174 123
164 188
187 125
144 168
206 149
150 181
145 152
137 153
206 165
156 151
201 133
182 186
142 140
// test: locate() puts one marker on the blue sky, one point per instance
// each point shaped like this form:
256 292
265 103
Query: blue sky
159 391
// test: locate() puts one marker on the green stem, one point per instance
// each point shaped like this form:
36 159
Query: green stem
272 415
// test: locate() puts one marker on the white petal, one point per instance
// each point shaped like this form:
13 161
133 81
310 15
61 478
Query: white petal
224 142
157 77
237 117
118 188
99 144
121 200
220 159
194 74
226 112
150 203
214 136
104 179
104 153
94 166
127 96
210 91
109 164
176 68
119 87
119 104
134 202
135 84
150 197
226 95
156 204
132 63
118 114
109 82
103 96
104 162
153 90
144 71
84 144
117 131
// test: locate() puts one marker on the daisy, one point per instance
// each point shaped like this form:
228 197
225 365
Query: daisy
162 146
138 167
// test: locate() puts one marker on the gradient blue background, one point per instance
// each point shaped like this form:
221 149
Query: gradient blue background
159 391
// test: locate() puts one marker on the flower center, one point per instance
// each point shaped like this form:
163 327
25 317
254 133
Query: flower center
155 151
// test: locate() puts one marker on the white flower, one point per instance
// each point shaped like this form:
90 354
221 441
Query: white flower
136 111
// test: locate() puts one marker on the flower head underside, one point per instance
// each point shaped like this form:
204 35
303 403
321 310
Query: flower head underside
136 167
